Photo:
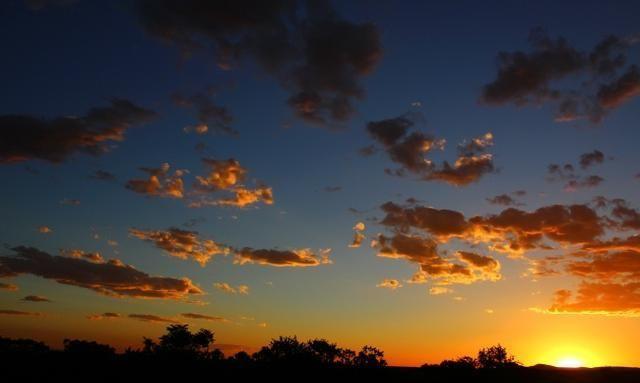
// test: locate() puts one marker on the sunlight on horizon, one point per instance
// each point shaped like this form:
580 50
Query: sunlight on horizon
569 362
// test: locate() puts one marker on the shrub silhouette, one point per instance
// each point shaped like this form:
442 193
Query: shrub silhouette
496 357
85 348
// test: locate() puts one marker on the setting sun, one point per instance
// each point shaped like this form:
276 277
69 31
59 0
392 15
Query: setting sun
569 362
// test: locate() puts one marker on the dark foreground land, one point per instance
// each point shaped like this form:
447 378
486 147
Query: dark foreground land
64 370
183 356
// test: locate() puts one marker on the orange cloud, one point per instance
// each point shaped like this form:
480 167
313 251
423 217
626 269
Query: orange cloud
35 298
8 286
182 244
104 316
160 183
227 288
390 284
204 317
151 318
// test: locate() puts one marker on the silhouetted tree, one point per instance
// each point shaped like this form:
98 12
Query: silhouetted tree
22 346
462 363
370 356
86 348
496 357
325 353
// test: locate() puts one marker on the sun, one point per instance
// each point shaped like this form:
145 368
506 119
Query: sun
569 362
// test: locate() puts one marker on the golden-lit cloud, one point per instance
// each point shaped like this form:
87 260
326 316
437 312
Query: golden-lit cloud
223 174
80 254
110 277
282 258
440 290
227 288
358 237
160 183
183 244
223 186
390 284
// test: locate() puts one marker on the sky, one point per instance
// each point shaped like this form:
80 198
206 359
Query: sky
428 178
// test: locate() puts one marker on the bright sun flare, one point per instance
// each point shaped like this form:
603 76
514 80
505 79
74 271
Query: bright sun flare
569 362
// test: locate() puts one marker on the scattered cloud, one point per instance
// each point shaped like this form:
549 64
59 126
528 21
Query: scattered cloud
45 230
160 182
358 236
20 313
282 258
107 315
227 288
525 78
151 318
390 284
35 298
289 40
8 286
24 138
183 244
204 317
110 277
211 118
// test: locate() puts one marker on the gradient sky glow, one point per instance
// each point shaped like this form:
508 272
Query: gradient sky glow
63 58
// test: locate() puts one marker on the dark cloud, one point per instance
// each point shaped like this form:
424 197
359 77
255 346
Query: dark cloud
504 200
332 189
282 258
103 175
211 117
621 90
17 312
409 149
104 316
441 223
35 298
591 158
183 244
25 138
585 182
316 55
111 277
204 317
70 202
530 77
151 318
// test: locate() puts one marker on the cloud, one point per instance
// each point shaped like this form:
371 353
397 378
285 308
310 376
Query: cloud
332 189
35 298
410 148
599 298
211 117
151 318
227 176
591 158
107 315
70 202
103 175
45 230
586 182
316 55
183 244
503 200
227 288
530 77
80 254
621 90
8 286
358 237
20 313
282 258
440 290
441 223
204 317
160 182
390 284
24 138
112 277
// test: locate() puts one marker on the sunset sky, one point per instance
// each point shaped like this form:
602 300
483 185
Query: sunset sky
426 178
